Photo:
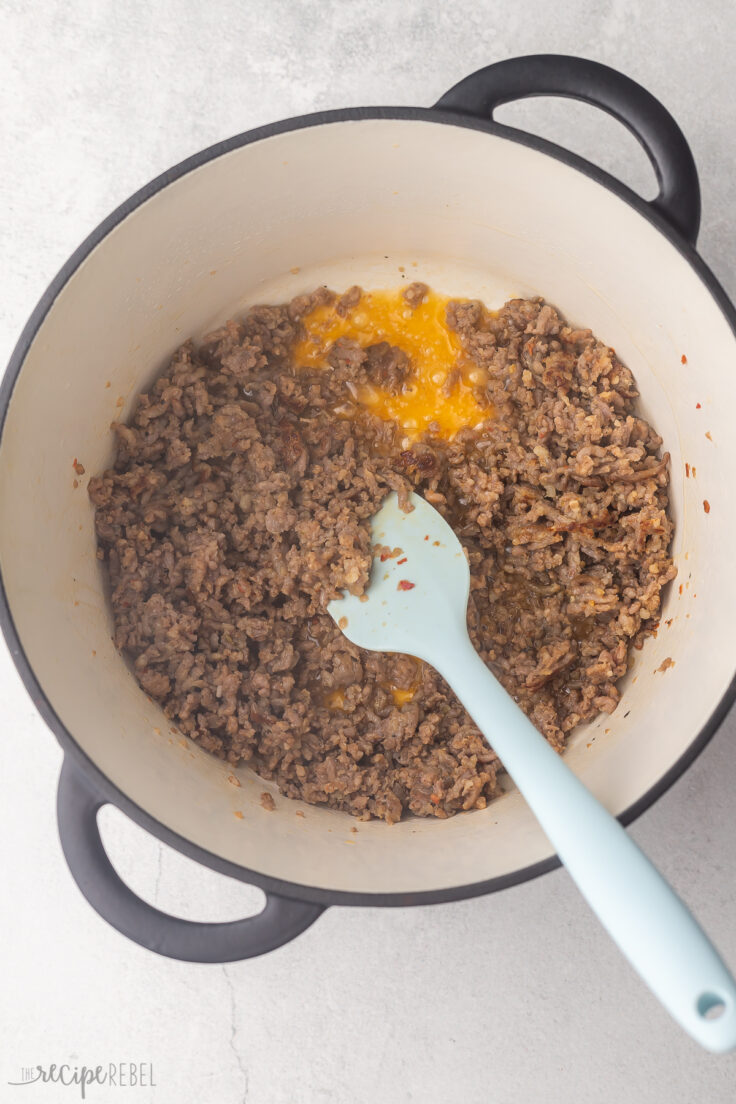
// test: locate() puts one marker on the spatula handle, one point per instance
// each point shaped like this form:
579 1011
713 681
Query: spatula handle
641 912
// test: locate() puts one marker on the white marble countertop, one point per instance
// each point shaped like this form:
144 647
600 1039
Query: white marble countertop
508 999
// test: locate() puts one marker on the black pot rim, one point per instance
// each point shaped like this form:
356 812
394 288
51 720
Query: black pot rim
106 787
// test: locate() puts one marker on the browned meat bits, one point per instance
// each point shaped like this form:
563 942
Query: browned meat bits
239 504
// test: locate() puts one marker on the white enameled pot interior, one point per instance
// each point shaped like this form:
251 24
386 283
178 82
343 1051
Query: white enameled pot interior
338 203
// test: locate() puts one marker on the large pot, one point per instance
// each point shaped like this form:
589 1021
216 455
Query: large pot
346 197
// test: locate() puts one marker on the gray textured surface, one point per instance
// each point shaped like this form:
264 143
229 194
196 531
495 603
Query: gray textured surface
510 999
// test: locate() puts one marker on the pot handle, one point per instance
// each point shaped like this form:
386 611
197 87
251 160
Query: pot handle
77 806
581 79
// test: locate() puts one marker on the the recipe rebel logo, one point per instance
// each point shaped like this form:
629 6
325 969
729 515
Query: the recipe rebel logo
118 1075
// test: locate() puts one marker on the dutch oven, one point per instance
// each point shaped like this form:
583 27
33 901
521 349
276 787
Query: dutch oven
347 197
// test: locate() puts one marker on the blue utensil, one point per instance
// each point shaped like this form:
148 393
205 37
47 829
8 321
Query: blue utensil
417 603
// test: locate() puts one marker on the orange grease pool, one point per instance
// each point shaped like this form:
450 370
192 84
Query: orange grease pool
427 401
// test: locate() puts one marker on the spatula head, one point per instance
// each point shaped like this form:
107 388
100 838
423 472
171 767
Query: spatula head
417 596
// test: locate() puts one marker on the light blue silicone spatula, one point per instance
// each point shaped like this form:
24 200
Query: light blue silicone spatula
417 603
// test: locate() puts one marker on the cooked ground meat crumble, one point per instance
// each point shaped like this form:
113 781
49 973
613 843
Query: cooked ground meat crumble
239 504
